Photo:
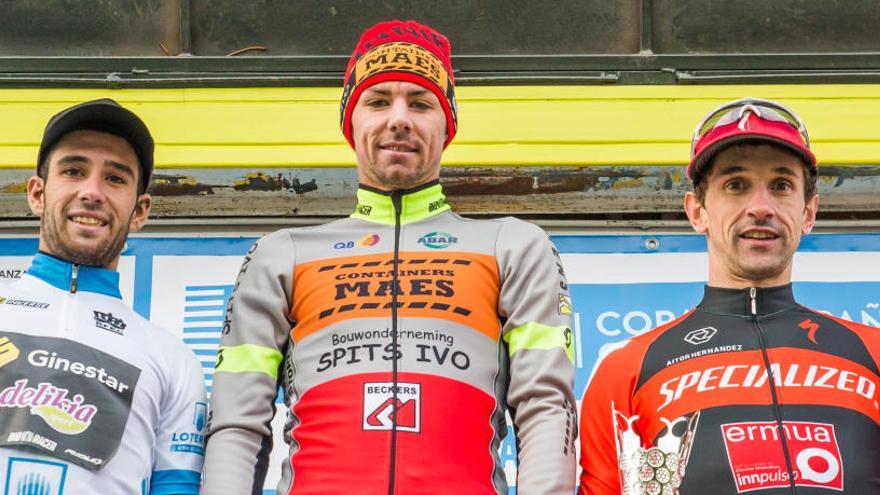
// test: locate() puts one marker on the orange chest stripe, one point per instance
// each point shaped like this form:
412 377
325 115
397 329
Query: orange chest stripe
454 286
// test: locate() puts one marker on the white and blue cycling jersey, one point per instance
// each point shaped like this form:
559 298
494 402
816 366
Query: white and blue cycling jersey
94 399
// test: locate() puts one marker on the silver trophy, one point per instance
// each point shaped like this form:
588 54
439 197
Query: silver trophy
657 470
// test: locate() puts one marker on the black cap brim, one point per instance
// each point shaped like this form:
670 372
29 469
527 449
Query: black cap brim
104 115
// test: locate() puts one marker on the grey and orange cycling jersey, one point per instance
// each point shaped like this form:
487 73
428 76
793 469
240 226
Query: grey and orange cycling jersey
401 335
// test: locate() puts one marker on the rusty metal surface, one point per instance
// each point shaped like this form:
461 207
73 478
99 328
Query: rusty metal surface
616 193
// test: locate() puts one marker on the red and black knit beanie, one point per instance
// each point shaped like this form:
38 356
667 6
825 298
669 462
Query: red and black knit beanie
400 51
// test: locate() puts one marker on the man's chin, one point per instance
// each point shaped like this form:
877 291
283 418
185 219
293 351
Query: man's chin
402 180
762 271
92 252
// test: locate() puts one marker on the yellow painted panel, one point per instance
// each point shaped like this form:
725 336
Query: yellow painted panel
461 155
517 125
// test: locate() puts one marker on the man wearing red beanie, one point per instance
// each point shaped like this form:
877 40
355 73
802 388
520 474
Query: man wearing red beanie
403 334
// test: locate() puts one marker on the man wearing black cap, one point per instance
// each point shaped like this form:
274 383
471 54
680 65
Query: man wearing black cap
93 398
749 391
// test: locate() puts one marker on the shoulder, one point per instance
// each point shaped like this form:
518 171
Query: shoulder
291 235
868 334
518 226
507 223
514 233
164 346
630 353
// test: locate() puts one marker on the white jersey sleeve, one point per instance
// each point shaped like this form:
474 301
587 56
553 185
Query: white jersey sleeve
180 443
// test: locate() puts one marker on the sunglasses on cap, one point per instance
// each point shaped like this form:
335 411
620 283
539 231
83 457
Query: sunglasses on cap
738 111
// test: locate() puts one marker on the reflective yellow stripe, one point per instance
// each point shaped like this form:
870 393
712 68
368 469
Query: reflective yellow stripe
248 357
534 335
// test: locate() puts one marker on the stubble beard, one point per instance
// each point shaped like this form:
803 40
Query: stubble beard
759 266
101 253
400 179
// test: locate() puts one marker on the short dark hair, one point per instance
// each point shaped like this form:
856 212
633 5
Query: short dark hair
811 175
43 168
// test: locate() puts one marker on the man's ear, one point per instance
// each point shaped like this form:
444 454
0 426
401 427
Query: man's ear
810 211
141 212
696 212
36 187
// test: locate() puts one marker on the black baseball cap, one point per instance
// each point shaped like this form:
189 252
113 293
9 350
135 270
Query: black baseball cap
104 115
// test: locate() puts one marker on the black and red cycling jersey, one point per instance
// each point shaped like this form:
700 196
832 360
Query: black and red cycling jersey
690 406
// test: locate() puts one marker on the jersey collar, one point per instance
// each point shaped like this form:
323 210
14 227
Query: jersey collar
769 300
418 203
59 273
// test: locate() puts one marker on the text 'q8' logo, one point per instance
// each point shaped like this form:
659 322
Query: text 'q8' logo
700 336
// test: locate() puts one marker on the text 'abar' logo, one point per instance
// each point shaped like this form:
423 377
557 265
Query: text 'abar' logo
757 461
437 240
382 409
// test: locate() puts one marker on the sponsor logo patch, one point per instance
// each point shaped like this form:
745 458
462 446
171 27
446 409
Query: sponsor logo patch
757 461
382 409
564 305
199 412
436 205
70 416
717 381
811 327
192 441
107 321
8 351
35 476
365 241
437 240
368 240
700 336
24 303
64 399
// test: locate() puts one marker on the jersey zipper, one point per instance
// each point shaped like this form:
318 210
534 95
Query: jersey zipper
777 408
396 201
74 272
67 321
